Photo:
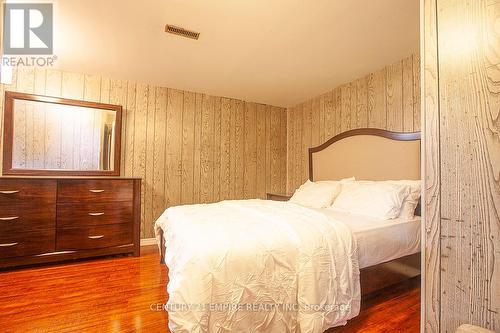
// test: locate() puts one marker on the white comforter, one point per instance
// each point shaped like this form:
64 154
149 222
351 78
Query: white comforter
258 266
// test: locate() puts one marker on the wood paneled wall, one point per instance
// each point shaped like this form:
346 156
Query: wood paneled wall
431 156
187 147
387 99
462 131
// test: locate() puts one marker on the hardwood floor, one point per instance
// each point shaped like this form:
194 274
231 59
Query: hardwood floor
394 309
116 295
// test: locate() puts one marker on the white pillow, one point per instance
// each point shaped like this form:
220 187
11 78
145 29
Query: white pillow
376 199
411 201
316 194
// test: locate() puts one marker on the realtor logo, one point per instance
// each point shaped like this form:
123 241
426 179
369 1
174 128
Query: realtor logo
28 28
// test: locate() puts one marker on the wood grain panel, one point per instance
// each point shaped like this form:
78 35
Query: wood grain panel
40 79
377 99
140 116
92 88
197 149
416 93
207 150
217 151
72 85
306 138
159 124
261 151
295 146
238 148
152 155
353 105
384 99
431 146
268 150
394 100
173 147
469 164
346 111
26 79
361 104
250 184
106 89
274 150
53 83
115 92
283 151
329 127
290 149
188 138
298 126
407 94
315 121
337 107
322 113
225 148
128 149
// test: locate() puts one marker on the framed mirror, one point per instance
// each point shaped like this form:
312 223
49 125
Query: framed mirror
46 136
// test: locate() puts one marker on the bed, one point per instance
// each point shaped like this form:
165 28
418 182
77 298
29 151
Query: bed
271 266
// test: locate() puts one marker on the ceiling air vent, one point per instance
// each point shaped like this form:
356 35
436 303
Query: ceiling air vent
171 29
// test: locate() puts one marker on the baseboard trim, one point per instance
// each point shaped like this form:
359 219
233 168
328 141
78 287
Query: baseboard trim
148 241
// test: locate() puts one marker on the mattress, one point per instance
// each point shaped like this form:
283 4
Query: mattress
380 240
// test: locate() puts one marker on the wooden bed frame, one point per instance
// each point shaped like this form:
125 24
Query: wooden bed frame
402 161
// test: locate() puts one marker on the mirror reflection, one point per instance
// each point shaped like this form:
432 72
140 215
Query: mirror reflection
62 137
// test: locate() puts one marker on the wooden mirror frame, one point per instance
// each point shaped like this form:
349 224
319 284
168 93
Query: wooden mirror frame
8 134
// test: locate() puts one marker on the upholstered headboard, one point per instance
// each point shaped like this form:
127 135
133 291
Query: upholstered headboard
367 154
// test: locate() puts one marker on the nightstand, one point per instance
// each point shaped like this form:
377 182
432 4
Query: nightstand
278 197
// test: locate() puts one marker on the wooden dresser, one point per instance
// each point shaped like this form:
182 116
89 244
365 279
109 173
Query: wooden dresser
47 219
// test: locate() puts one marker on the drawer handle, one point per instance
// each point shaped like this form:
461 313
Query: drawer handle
8 244
96 237
9 218
96 214
96 191
9 192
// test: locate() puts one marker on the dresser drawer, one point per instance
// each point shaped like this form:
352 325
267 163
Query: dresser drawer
16 192
95 190
97 213
25 217
28 243
93 237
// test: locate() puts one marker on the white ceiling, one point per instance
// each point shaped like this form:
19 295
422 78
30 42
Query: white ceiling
278 52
